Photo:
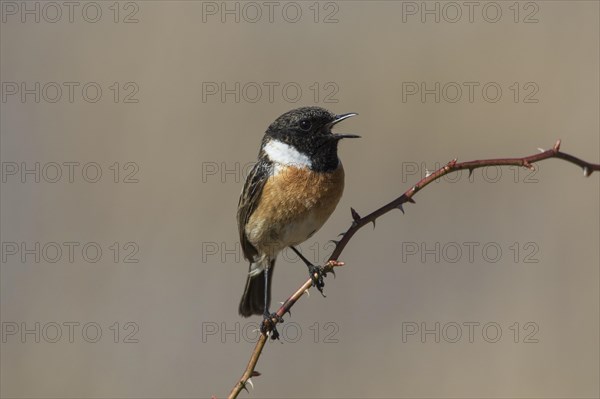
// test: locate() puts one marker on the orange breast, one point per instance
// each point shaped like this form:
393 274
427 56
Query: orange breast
295 202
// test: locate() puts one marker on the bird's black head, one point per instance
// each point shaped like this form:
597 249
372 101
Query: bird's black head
307 131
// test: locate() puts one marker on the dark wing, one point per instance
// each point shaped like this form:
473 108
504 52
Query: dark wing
249 201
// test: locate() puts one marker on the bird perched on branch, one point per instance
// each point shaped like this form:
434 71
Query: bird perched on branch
288 195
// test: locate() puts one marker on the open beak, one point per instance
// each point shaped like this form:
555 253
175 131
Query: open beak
338 119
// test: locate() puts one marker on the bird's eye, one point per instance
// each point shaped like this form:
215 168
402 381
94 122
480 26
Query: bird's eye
305 125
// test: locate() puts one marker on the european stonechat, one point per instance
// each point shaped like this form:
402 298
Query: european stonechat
288 195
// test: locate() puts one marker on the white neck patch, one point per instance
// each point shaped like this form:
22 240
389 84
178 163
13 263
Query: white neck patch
287 155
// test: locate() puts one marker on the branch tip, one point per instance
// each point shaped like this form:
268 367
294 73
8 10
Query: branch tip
334 263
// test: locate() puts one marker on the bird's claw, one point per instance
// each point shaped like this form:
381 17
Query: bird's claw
316 274
268 325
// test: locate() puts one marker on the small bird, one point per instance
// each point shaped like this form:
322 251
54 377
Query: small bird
288 195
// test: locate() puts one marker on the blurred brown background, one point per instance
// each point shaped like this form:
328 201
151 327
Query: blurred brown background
506 264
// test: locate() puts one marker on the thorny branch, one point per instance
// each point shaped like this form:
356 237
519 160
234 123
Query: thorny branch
359 222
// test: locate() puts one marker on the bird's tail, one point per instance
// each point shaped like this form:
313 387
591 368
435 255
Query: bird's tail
253 299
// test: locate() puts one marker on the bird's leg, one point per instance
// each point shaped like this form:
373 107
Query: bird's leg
269 319
318 280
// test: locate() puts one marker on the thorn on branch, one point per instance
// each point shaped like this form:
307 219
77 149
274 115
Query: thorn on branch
586 171
401 208
355 215
244 387
329 268
556 146
528 165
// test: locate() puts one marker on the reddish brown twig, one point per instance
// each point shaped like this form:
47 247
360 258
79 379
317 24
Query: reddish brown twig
359 222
